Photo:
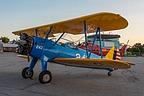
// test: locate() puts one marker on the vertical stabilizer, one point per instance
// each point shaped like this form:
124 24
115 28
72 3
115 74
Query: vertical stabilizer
110 54
122 50
113 54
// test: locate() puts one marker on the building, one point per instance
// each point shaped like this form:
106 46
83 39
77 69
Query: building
9 47
107 40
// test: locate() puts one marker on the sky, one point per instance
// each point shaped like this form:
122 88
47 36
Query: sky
22 14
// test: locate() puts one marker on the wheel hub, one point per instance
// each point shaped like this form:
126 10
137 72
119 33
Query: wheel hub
46 78
28 73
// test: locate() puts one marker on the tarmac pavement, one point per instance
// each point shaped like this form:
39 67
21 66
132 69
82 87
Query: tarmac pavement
70 81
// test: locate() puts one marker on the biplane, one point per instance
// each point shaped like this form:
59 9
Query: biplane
36 42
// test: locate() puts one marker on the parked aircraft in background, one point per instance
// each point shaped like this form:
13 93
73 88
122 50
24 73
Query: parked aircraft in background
96 50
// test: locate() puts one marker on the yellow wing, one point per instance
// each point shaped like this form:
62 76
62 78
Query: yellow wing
23 56
94 63
106 21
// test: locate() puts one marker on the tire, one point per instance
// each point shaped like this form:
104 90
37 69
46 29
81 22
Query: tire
45 77
110 73
26 73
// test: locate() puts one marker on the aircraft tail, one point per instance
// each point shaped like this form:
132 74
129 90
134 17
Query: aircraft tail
122 50
113 54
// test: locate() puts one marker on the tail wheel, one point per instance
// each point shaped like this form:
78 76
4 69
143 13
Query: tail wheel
45 77
26 73
110 73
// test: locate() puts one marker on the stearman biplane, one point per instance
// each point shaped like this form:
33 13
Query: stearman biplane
36 43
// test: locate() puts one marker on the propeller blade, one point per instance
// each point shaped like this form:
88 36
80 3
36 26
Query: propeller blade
28 57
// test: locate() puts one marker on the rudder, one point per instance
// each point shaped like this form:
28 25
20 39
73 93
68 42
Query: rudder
113 54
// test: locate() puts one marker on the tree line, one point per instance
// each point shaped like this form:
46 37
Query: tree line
5 39
136 49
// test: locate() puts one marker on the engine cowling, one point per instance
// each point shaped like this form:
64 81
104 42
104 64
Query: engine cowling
24 44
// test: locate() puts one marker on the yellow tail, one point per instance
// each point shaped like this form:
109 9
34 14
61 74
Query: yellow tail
110 54
113 54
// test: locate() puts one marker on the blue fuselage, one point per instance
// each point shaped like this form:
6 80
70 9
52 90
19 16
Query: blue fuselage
48 48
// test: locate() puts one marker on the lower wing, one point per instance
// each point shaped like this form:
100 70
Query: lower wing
22 56
94 63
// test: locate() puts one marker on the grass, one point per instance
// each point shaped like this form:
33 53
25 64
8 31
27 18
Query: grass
129 55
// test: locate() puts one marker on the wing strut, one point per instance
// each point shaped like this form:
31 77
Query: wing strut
85 32
36 32
98 33
48 33
59 38
95 36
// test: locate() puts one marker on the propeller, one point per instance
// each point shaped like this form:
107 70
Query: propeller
24 45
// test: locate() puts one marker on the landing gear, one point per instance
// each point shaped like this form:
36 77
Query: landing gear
26 73
45 77
109 73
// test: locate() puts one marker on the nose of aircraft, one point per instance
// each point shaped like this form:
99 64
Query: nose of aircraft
24 44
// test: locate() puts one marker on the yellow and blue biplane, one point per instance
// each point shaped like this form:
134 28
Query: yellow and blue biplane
36 42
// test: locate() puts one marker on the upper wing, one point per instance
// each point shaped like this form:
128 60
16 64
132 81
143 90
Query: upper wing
106 21
94 63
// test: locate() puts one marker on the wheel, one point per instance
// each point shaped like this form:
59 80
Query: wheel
45 77
109 73
26 73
